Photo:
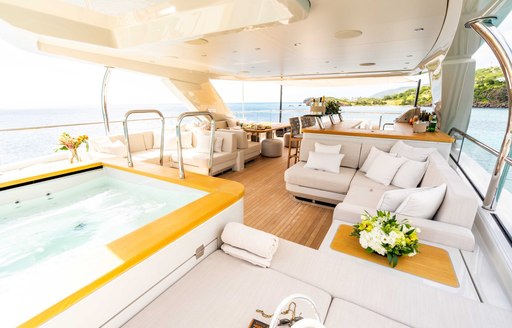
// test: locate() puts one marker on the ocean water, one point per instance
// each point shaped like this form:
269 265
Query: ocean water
487 125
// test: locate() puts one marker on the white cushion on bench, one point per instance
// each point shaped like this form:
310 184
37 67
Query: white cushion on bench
335 182
223 291
345 314
384 291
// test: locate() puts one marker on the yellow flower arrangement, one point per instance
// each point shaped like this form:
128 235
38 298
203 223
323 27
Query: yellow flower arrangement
383 234
67 142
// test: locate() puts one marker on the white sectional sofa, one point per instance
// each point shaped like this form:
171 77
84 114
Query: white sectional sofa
354 193
223 291
145 148
247 150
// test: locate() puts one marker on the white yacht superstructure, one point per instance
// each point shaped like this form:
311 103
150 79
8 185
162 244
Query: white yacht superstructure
189 43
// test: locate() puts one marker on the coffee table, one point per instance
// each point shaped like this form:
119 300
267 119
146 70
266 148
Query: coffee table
465 288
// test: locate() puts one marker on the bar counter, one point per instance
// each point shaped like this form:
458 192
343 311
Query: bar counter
401 131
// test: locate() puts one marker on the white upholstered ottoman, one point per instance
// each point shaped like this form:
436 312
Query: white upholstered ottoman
272 148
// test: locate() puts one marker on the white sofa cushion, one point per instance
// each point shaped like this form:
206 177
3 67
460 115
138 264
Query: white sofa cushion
409 174
203 143
116 148
194 158
423 204
137 142
361 180
339 183
171 140
370 159
391 199
460 202
350 149
328 149
384 167
226 291
415 153
241 137
385 291
329 162
346 314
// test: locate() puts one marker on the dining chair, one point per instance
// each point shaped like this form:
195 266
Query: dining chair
295 136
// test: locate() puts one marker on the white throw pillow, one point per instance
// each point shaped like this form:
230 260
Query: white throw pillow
384 168
203 144
410 174
423 204
327 149
372 155
170 140
391 199
324 162
115 148
410 152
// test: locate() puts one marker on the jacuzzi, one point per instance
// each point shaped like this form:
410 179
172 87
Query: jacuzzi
92 245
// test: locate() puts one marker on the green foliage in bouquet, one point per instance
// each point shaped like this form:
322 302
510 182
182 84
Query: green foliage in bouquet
386 236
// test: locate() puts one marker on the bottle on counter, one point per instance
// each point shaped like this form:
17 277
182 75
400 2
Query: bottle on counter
433 124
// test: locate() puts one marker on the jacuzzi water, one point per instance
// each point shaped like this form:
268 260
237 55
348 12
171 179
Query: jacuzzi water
94 212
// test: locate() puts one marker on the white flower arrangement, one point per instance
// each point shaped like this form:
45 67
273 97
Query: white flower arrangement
384 235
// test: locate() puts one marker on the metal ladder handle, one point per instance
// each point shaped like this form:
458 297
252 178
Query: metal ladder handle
126 135
178 134
286 301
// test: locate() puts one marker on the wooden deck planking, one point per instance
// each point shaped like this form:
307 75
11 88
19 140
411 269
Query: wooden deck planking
269 207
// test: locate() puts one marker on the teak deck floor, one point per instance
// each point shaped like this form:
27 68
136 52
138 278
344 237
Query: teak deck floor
269 207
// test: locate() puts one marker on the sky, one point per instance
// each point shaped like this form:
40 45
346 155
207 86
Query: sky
29 80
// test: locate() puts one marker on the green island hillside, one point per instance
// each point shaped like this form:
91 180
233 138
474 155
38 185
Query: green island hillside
490 91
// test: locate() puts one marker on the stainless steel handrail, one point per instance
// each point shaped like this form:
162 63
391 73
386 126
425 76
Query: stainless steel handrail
127 136
485 28
42 127
480 144
178 134
104 89
386 124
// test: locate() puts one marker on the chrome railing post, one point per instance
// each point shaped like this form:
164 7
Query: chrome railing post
178 134
485 28
104 91
127 136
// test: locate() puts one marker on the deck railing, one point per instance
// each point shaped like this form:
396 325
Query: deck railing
457 156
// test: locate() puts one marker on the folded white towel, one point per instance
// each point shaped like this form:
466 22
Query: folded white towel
255 241
246 256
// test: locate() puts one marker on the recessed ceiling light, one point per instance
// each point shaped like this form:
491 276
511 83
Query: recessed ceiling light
419 29
203 55
234 51
335 67
327 62
407 63
268 71
298 44
257 49
367 64
244 72
347 34
197 42
409 56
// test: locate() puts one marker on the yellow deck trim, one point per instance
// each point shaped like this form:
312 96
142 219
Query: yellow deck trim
147 240
48 174
402 131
